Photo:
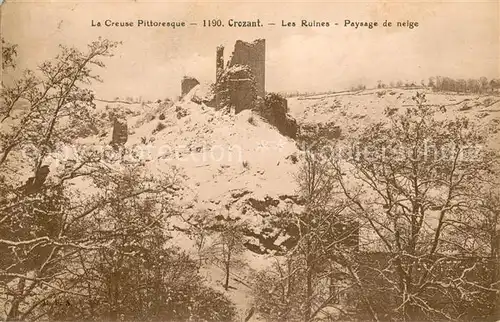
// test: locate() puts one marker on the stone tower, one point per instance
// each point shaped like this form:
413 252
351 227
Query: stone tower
219 62
252 55
242 87
219 69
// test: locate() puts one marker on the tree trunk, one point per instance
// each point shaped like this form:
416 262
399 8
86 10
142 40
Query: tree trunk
409 313
309 288
495 248
307 313
228 262
289 279
114 293
13 314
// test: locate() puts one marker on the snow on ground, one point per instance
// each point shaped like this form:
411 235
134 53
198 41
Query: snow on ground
218 152
225 159
353 111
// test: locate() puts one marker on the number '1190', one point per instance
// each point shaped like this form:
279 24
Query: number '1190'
212 23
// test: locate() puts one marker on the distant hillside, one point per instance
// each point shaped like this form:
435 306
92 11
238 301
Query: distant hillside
354 110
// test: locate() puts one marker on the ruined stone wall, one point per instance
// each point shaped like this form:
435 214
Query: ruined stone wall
242 95
236 88
187 84
120 132
274 109
219 62
252 55
219 70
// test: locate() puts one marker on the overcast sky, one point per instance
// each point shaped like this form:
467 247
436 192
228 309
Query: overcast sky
453 39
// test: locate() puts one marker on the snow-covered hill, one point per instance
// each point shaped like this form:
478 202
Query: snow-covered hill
240 167
354 110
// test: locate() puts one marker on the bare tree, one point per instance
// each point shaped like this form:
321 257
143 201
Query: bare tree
34 217
57 91
411 186
227 247
45 234
87 241
137 275
304 283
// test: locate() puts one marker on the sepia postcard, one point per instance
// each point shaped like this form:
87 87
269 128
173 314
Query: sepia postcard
250 161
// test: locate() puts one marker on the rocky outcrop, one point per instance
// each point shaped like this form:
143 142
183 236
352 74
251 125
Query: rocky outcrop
263 205
181 111
320 133
274 109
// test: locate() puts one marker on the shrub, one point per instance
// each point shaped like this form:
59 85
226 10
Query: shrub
179 295
160 126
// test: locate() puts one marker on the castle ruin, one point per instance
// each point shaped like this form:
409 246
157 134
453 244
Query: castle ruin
243 85
252 55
